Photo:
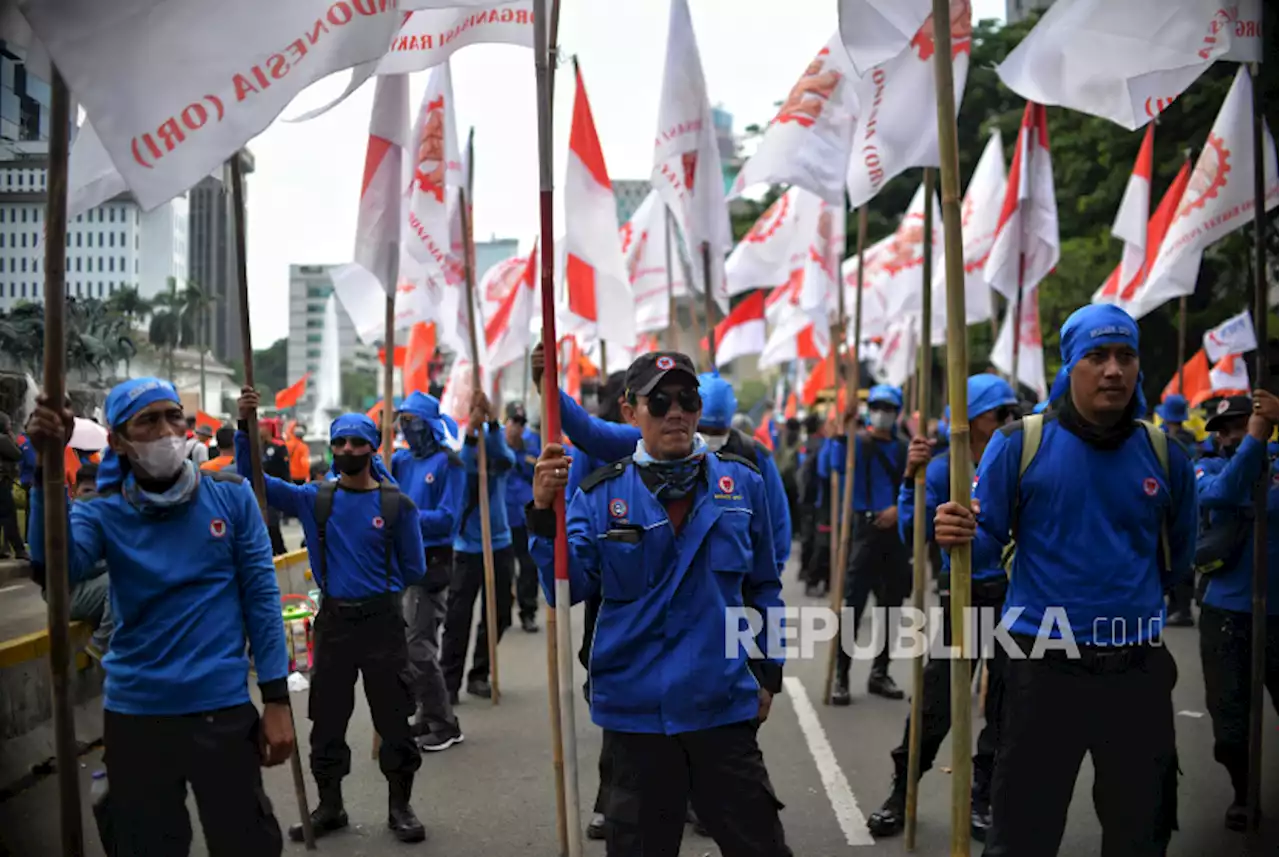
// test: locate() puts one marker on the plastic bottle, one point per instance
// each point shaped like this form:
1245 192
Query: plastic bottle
98 798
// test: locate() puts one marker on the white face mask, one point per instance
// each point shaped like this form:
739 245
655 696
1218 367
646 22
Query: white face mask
881 420
716 442
158 459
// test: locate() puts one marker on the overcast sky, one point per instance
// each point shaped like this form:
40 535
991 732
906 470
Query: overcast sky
302 198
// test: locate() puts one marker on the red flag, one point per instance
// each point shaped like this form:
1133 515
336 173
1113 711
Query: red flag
397 359
289 396
1026 248
203 419
742 331
417 359
1115 290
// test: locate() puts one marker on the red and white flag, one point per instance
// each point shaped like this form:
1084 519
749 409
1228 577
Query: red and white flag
1026 246
874 319
1219 199
819 294
1230 376
896 361
431 35
776 244
1122 61
1030 345
686 160
808 142
797 337
170 112
898 126
645 250
1236 335
899 271
595 271
742 331
507 333
1135 210
875 31
437 174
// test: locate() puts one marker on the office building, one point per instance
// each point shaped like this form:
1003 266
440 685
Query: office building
25 99
493 251
309 289
212 258
1017 10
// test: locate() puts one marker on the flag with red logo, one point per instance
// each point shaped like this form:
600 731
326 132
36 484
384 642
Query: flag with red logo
898 269
1026 247
1030 345
436 164
686 159
875 31
896 361
507 333
645 244
777 243
875 316
595 272
421 44
742 331
819 291
1236 335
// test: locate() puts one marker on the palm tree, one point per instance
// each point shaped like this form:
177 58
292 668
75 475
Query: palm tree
129 304
195 321
22 336
165 331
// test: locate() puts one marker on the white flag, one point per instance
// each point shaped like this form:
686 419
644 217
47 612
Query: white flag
1230 375
437 175
896 361
1122 61
899 270
644 250
874 31
776 244
1236 335
175 87
898 125
807 144
820 284
686 160
1026 248
92 178
1030 345
797 337
874 318
507 332
431 36
1135 210
1218 199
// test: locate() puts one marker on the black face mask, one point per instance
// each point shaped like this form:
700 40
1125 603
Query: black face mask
352 463
1228 449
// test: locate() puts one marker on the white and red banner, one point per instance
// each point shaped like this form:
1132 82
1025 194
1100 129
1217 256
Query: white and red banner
507 332
599 290
808 142
644 250
686 160
1236 335
777 243
1030 345
437 175
742 331
1135 210
874 319
819 293
1026 246
1125 62
899 267
1230 376
430 36
175 87
797 337
874 31
896 360
1219 199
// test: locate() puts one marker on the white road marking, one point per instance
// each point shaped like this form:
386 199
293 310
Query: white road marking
12 588
850 818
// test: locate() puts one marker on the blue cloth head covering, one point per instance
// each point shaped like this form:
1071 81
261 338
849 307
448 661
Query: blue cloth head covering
359 425
719 403
1173 409
1041 407
427 409
1091 327
885 394
987 392
123 402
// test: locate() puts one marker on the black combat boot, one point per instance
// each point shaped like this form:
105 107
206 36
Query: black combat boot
882 685
890 818
400 818
328 816
980 807
840 690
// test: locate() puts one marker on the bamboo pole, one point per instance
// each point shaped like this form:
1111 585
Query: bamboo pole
706 303
852 371
388 388
565 732
1258 652
1182 341
255 441
920 524
57 588
673 329
961 455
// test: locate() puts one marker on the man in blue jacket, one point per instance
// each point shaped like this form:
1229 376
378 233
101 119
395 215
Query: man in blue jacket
468 555
1173 414
1090 514
878 560
992 404
525 445
433 477
1225 487
193 591
365 546
676 540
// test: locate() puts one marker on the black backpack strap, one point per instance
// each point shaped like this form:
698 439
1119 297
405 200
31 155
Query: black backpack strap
604 474
221 475
738 459
324 508
389 498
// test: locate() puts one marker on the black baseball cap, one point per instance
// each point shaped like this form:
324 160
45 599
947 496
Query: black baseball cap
1228 408
649 370
515 411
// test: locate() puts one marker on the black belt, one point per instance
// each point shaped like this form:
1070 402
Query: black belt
1095 659
387 602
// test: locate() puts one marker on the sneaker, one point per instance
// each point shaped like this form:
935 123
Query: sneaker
1180 619
529 624
598 828
442 739
1237 818
480 687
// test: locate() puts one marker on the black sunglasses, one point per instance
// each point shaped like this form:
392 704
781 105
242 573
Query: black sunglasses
356 443
1004 413
690 401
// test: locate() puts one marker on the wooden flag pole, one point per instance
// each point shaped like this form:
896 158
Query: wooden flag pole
919 552
851 384
673 329
566 733
486 526
1182 341
706 303
388 388
958 394
1258 653
255 441
57 588
835 584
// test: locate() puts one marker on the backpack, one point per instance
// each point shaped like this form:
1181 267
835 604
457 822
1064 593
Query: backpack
1033 430
389 507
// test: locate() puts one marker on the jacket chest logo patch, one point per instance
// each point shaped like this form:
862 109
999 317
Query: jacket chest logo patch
618 508
1150 486
217 528
431 477
726 484
378 523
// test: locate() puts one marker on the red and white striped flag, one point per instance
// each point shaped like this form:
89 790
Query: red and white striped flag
595 272
507 334
796 337
1135 210
742 331
1030 345
1124 293
1026 246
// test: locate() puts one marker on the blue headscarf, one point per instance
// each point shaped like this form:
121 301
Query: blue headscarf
719 403
1091 327
123 402
885 394
359 425
987 392
427 409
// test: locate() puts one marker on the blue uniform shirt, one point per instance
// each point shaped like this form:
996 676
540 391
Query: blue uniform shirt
520 481
500 461
875 484
435 484
614 441
27 466
658 662
189 589
1225 489
937 490
355 565
1088 531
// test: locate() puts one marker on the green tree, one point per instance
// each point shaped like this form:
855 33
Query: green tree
194 313
165 331
129 304
359 390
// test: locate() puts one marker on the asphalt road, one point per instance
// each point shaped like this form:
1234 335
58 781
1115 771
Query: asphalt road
494 794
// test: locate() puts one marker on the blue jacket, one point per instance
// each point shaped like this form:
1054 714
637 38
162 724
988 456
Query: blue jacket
27 466
937 490
613 441
871 470
1225 488
580 468
658 663
1088 531
435 484
500 462
520 482
355 565
189 589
